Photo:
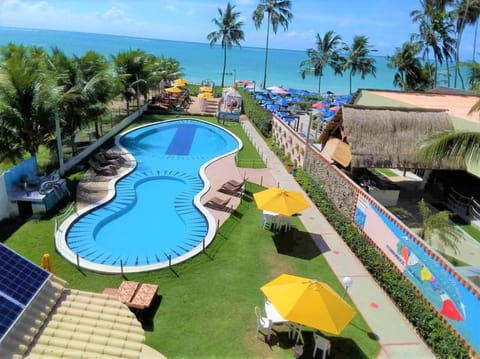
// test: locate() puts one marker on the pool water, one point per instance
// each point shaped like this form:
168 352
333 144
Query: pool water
155 216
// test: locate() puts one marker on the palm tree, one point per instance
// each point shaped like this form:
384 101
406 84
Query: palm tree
278 13
132 70
358 59
409 75
29 99
327 53
229 32
437 225
467 13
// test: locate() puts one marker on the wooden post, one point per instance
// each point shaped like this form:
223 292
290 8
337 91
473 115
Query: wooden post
169 261
121 266
261 180
78 261
203 244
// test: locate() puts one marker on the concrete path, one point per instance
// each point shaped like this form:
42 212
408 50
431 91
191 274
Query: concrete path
396 335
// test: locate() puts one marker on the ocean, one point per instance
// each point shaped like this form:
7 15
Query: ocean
202 62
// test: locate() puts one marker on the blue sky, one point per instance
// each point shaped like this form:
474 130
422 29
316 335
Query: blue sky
385 22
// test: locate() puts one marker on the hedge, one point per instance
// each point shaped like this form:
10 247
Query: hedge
260 117
443 342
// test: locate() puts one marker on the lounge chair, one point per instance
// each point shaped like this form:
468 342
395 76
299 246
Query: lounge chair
219 203
102 170
230 188
236 183
133 294
113 156
103 161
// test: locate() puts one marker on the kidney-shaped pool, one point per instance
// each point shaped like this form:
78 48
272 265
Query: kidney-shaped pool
155 218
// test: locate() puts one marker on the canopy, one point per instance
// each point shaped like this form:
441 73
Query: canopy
174 89
205 89
281 201
309 302
180 82
205 95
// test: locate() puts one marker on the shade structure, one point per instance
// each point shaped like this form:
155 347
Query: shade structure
205 95
319 105
180 83
309 302
281 201
205 89
46 263
174 89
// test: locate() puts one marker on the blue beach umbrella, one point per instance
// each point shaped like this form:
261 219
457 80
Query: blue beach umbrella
288 119
282 102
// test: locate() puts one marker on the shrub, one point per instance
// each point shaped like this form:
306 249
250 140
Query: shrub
260 117
443 342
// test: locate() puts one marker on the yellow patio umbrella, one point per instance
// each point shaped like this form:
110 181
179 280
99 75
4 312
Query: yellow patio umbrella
309 302
281 201
205 89
180 82
47 263
174 89
205 95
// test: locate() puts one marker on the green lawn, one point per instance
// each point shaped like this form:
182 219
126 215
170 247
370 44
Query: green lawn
206 305
386 172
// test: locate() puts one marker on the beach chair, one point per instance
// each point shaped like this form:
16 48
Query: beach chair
233 188
102 170
103 161
321 343
219 203
263 324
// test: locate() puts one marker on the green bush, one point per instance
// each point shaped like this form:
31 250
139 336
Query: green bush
443 342
260 117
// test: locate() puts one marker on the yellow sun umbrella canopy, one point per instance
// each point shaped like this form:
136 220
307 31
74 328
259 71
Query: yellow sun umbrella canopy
205 95
46 263
309 302
174 89
205 89
180 83
281 201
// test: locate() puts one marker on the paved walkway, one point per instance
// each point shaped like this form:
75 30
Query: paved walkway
396 335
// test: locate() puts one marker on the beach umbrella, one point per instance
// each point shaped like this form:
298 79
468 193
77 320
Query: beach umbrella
205 95
281 201
309 302
205 89
180 83
278 90
46 263
319 105
174 89
335 108
282 102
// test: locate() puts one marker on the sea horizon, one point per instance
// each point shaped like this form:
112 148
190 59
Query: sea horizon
200 61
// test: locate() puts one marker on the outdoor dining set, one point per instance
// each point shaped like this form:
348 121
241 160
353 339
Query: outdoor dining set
293 302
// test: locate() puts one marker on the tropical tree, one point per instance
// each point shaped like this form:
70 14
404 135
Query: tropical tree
229 32
358 59
328 52
466 13
437 226
29 99
410 72
131 71
431 26
278 13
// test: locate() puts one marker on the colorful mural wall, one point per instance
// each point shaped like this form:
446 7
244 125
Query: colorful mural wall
447 291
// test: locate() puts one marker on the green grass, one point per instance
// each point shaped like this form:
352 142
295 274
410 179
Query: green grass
205 309
472 231
386 172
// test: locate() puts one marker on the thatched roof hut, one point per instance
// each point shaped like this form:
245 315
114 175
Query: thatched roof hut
388 136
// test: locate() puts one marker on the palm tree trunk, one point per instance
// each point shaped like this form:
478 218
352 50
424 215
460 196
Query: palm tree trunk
350 82
224 64
475 41
264 84
319 83
435 79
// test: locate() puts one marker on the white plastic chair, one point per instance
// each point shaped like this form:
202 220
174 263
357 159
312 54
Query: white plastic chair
268 220
295 333
321 343
263 323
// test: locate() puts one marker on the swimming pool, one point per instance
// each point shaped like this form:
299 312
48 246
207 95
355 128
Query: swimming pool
155 216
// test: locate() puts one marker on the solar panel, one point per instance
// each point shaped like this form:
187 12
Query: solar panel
20 281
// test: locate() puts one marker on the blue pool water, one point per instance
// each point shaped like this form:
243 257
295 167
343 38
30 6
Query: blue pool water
153 216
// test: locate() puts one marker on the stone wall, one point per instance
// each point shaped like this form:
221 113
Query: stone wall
339 188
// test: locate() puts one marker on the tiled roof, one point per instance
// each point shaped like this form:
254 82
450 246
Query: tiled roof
75 324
